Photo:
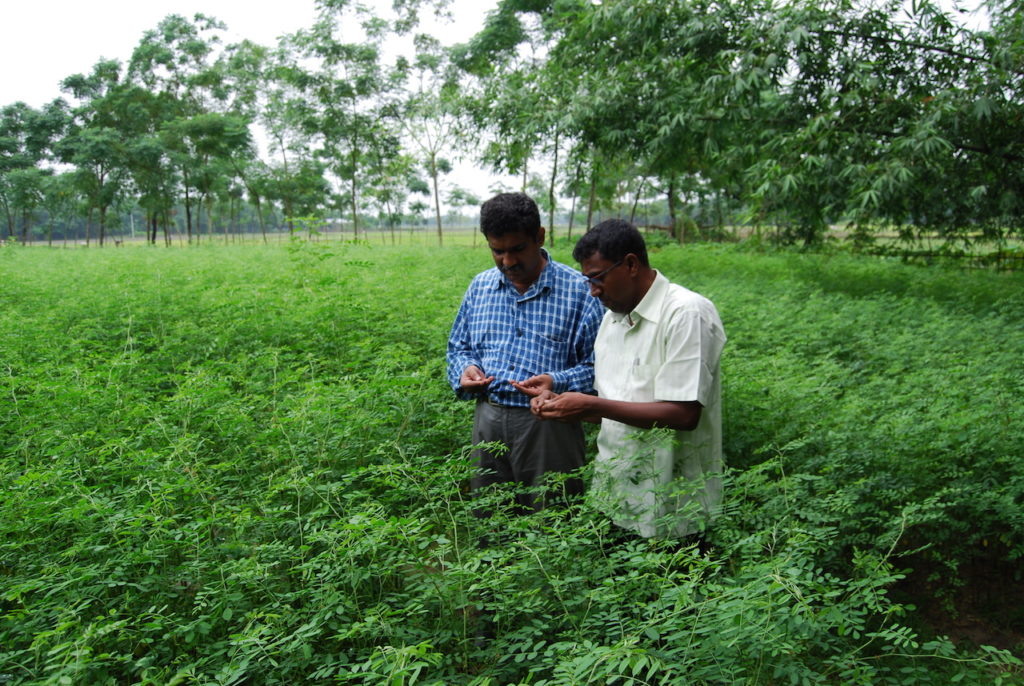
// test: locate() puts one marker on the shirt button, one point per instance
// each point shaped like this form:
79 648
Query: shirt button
519 332
511 367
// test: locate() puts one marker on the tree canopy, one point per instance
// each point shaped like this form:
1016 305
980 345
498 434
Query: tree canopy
797 115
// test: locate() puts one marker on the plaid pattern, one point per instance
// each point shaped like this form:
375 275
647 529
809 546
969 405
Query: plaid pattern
550 329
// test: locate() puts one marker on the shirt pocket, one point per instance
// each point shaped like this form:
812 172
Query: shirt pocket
553 339
547 341
548 353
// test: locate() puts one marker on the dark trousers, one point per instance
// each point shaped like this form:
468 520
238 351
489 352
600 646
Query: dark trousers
534 448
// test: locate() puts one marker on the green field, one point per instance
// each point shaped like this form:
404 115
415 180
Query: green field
243 465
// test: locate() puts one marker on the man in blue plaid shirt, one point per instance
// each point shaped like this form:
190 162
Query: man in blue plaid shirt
525 326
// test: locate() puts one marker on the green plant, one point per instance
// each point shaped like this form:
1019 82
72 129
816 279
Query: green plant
232 480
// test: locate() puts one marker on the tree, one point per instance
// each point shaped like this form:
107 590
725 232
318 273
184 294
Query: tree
175 63
514 99
460 197
96 141
268 86
27 137
392 171
26 194
213 142
429 113
60 199
803 112
156 181
347 88
301 188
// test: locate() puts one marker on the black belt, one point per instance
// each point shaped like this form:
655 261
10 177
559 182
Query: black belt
495 403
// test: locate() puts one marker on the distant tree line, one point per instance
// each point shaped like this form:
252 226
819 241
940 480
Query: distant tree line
887 116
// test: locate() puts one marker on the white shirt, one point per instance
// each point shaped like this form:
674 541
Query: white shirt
661 482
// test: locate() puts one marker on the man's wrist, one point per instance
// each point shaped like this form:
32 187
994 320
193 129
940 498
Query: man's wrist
559 381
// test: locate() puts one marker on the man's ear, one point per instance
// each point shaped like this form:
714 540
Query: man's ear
632 263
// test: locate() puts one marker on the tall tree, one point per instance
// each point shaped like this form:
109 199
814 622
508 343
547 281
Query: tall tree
429 114
266 85
212 142
61 200
177 63
805 112
27 138
392 170
516 100
347 87
96 143
26 194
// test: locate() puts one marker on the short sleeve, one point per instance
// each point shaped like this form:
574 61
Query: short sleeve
692 342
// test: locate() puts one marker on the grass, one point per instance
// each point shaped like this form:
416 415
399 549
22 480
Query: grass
241 464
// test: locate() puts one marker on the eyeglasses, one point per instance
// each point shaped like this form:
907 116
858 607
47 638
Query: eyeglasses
597 279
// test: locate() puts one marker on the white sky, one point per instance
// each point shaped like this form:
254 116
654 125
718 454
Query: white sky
45 41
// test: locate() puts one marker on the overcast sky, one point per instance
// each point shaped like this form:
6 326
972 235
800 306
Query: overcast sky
45 41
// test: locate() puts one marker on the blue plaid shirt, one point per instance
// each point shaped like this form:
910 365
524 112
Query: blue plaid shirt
549 329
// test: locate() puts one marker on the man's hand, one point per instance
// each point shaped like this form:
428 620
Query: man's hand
565 407
535 385
473 379
537 402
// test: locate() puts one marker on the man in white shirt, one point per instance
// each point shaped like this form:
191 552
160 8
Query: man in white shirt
658 391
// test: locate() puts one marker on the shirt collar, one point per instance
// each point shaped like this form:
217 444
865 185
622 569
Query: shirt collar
545 280
649 307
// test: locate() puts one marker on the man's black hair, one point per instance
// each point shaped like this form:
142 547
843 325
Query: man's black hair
614 239
510 213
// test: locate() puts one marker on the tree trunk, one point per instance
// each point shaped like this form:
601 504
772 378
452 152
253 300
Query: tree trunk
673 223
103 224
593 196
437 198
289 217
636 201
259 218
188 213
572 211
10 220
391 219
355 200
229 225
551 193
208 201
572 216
